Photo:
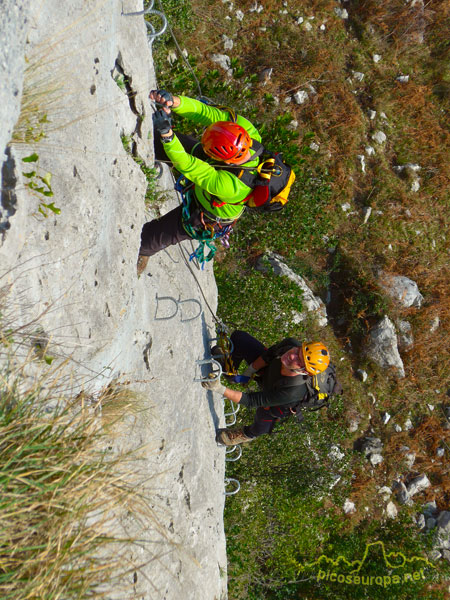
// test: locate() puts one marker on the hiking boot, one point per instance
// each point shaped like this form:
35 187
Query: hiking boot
141 263
228 437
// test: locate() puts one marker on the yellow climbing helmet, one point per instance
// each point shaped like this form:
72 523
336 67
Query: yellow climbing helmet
316 357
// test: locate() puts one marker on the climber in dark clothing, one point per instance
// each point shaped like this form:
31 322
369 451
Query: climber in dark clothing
280 370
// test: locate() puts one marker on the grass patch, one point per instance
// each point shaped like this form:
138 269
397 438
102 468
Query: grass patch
59 495
288 511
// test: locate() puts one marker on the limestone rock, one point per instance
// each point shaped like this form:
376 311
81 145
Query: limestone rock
13 33
408 424
300 97
401 492
418 484
224 62
227 42
405 337
370 445
349 507
410 459
341 12
430 509
385 418
379 137
265 75
312 303
382 346
401 289
421 522
362 375
442 532
386 491
75 274
375 459
391 510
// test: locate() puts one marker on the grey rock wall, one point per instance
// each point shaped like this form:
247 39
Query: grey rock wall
13 30
73 275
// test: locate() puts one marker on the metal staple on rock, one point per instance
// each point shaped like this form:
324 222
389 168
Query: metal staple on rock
231 481
230 449
234 410
177 306
151 33
217 373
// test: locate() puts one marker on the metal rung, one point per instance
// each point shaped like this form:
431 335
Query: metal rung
151 33
234 482
177 304
216 372
230 449
216 339
234 410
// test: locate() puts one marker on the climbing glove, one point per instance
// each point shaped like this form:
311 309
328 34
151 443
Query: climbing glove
214 385
162 97
249 371
162 122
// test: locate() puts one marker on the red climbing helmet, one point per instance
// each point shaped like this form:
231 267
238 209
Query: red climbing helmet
227 141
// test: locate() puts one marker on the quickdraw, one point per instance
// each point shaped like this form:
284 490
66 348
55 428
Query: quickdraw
226 347
209 233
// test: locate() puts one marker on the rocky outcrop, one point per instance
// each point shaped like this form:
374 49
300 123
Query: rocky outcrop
402 290
313 304
382 346
73 273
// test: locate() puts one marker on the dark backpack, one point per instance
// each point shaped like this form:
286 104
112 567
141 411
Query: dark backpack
319 389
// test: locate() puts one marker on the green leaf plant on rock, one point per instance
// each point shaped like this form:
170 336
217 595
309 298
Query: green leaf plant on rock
40 185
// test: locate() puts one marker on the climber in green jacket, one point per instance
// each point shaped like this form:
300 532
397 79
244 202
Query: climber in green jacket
219 194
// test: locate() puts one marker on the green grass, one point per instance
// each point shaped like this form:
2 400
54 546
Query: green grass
61 493
287 512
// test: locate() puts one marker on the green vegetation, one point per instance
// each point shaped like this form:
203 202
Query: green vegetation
59 495
40 185
289 509
63 493
152 195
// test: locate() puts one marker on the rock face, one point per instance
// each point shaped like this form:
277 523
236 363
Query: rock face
382 346
74 273
12 42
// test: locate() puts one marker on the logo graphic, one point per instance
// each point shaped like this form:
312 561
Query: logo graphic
400 569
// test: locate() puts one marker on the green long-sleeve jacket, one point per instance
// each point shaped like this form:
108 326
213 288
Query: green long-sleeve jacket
209 180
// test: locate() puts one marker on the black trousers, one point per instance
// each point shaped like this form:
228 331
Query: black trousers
248 348
168 230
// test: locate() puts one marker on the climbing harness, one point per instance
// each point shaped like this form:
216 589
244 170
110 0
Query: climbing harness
226 347
210 228
151 33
